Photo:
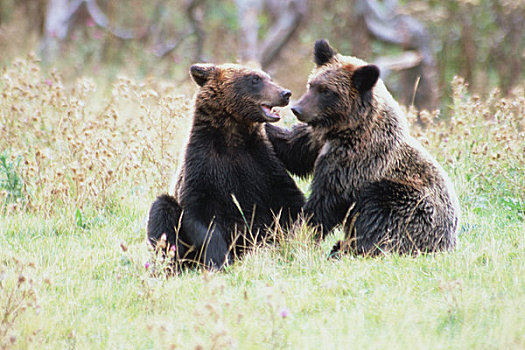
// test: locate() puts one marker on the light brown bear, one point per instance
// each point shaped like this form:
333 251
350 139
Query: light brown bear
370 175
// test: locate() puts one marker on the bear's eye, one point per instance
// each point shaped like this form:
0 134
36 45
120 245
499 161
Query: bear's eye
256 80
323 90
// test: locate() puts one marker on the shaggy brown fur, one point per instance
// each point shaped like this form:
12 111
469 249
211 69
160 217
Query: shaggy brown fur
231 186
370 174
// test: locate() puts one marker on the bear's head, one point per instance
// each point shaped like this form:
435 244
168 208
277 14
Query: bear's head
234 91
340 89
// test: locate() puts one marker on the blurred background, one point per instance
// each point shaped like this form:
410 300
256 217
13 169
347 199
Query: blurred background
419 45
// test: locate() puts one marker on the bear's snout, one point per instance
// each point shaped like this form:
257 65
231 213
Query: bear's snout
298 112
285 95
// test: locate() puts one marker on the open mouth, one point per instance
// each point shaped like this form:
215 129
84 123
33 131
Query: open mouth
271 113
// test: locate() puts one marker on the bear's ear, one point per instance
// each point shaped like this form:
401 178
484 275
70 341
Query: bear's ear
365 77
323 53
202 72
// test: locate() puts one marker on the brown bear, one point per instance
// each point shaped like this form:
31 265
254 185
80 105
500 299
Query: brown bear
370 175
232 187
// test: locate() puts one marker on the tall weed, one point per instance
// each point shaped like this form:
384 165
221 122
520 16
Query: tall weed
78 147
482 146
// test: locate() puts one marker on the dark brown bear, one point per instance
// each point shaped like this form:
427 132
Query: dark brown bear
232 186
370 174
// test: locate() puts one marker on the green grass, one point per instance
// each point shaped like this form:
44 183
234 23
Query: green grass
93 294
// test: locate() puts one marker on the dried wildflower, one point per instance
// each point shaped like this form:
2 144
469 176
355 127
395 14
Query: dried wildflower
21 279
91 153
172 251
123 247
161 244
74 152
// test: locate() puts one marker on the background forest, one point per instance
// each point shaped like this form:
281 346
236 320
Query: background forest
423 43
95 107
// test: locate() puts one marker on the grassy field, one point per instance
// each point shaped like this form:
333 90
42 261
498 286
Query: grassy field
80 164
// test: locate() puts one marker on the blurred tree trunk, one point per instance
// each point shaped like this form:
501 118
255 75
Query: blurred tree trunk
505 51
360 38
195 11
419 81
468 59
59 18
248 15
36 13
56 25
286 16
195 15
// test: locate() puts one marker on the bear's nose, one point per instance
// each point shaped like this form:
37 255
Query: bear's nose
297 111
285 94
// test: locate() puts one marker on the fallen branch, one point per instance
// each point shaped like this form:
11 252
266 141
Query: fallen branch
405 60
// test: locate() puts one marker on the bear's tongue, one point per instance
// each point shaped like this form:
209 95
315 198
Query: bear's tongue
268 111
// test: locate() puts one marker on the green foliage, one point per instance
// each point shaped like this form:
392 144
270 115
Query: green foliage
10 181
79 219
480 40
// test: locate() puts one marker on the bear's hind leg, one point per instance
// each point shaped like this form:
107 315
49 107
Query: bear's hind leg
165 219
390 217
